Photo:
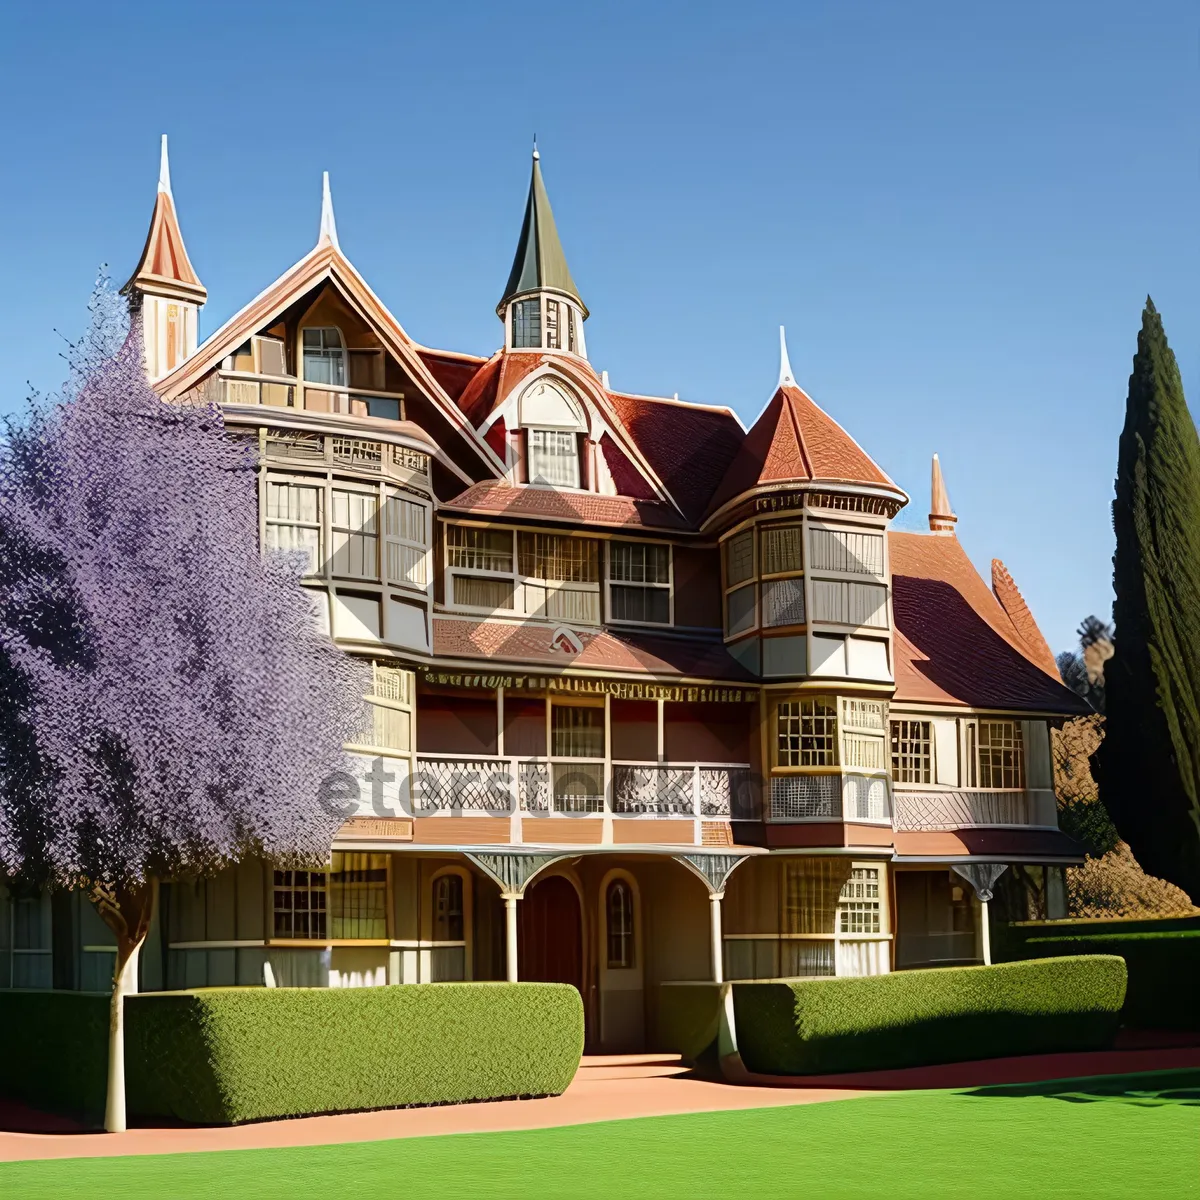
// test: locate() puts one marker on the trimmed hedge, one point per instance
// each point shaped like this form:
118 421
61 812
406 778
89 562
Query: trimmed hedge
1163 968
54 1051
225 1055
688 1018
917 1018
1009 940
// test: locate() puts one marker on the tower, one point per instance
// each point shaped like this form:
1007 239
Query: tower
541 307
164 286
941 518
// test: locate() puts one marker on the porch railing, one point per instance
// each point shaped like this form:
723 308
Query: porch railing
962 809
832 796
500 786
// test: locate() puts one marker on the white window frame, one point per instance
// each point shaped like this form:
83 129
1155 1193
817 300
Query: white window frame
545 434
610 583
928 758
750 581
327 354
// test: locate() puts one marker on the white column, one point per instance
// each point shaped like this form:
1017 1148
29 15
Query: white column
985 932
718 964
510 925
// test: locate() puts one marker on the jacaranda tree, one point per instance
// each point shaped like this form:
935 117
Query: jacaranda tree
1148 766
168 703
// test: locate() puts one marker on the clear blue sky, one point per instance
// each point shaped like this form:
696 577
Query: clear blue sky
956 210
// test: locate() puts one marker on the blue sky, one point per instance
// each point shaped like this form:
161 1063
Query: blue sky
956 210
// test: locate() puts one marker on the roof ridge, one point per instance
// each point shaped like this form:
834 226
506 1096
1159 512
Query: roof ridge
805 457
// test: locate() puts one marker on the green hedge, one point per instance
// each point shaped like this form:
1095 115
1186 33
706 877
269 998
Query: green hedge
223 1055
1009 940
54 1051
917 1018
688 1018
1164 972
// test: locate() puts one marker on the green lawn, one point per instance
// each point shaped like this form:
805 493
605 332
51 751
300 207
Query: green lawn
1136 1137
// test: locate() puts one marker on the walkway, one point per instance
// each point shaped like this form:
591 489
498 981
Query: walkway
606 1089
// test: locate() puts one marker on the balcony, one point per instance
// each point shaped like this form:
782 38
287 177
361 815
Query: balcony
501 786
832 796
962 809
286 391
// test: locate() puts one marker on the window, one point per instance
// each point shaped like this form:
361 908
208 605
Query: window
571 339
355 532
555 557
324 357
858 904
619 908
806 733
782 549
551 324
1001 755
912 752
739 558
480 549
347 901
448 925
553 457
739 609
843 550
293 521
406 540
639 582
527 324
576 731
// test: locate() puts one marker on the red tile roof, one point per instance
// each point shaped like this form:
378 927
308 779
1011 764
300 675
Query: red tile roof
796 440
500 498
1013 603
453 371
687 658
689 447
954 642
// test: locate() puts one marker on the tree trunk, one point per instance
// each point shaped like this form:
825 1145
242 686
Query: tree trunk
127 912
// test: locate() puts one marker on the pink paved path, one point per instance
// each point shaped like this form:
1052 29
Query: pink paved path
605 1089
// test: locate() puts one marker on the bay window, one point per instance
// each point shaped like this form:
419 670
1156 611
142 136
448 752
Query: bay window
912 752
355 533
293 521
806 733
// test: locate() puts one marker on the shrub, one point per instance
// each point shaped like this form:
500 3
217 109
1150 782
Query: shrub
224 1055
1163 968
917 1018
54 1050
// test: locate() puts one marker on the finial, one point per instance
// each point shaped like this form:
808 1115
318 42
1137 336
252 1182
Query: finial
536 155
164 168
941 518
328 224
604 380
786 378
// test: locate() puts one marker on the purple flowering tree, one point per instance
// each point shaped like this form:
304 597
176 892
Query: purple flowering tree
168 703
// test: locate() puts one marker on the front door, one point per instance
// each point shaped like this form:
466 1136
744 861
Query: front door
551 934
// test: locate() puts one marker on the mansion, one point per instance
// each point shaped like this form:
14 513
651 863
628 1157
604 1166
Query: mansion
656 698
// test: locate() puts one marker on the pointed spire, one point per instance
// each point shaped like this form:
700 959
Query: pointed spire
539 263
941 518
328 224
786 378
164 168
164 268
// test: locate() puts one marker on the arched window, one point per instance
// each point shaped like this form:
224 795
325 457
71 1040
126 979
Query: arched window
619 905
448 923
324 357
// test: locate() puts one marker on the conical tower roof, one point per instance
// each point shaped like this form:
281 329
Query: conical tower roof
164 268
539 262
796 441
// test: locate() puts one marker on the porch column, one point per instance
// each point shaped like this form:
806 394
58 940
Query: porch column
718 954
986 932
510 928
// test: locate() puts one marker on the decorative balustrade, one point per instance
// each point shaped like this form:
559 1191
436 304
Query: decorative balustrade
962 809
501 786
832 796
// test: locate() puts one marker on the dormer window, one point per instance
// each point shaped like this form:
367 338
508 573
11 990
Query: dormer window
553 457
527 324
324 357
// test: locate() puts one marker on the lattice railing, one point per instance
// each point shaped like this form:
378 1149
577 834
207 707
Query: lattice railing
866 798
965 809
796 797
728 791
534 781
456 783
657 791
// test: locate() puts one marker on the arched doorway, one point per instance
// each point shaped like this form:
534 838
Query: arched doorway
550 949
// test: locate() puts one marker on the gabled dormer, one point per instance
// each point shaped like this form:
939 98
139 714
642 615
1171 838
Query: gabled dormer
541 307
164 286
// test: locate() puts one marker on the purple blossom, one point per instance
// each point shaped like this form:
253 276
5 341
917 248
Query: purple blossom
168 703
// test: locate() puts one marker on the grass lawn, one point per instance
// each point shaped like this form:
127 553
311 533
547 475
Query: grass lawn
1133 1137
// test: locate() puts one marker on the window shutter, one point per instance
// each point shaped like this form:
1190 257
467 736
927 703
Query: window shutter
945 751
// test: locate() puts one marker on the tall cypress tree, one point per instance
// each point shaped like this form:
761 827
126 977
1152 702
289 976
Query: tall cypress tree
1148 765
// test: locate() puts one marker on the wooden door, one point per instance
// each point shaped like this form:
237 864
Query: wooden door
551 935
